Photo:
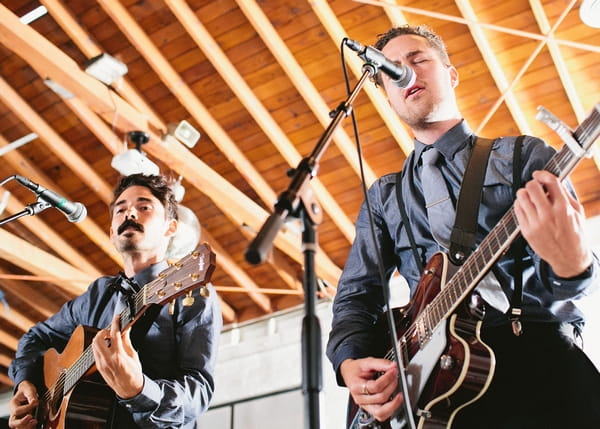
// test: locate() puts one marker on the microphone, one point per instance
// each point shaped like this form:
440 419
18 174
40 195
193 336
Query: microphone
75 212
402 76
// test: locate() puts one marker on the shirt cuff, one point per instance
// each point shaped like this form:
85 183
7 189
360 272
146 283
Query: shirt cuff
147 400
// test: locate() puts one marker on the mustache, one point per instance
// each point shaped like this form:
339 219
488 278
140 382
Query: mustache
130 223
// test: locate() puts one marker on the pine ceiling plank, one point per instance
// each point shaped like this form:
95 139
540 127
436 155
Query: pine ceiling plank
394 14
285 58
235 204
37 301
90 48
5 360
8 340
238 274
337 33
22 166
31 258
43 56
4 379
254 106
138 38
54 141
561 66
35 49
462 20
16 318
51 238
496 70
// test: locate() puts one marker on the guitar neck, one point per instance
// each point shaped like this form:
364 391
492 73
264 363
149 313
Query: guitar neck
503 234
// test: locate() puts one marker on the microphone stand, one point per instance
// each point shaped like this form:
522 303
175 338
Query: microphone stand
30 209
297 202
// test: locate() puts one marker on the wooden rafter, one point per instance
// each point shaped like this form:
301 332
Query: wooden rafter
255 107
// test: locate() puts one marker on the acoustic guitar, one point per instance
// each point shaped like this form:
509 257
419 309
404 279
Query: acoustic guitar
76 396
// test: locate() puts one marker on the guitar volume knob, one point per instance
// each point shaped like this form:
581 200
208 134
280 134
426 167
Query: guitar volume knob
446 362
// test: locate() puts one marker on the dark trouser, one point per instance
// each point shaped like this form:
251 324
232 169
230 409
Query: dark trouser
542 381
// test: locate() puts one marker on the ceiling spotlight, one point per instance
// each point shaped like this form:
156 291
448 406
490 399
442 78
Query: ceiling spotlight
105 68
184 132
589 12
133 161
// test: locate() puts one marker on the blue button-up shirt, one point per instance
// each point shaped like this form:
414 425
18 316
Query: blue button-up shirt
178 354
359 298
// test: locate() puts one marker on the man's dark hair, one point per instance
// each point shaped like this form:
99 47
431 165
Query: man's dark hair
424 31
158 185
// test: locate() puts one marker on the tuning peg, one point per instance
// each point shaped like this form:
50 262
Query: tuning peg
172 307
188 299
204 292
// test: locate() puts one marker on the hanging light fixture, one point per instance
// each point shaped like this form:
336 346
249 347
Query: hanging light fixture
132 161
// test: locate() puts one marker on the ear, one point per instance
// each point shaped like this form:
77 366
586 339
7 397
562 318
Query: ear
171 228
453 76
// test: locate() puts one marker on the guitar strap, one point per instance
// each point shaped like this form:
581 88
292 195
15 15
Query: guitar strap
462 233
518 248
465 227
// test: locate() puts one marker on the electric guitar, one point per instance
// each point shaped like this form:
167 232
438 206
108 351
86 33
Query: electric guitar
447 365
76 397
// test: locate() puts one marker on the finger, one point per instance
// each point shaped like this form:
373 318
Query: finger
115 326
373 365
126 342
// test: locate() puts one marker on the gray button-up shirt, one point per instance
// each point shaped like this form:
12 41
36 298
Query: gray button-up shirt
178 354
359 298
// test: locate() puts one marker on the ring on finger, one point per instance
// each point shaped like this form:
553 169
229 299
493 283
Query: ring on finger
365 390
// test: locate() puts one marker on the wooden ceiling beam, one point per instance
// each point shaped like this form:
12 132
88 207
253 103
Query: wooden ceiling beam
35 49
51 238
236 273
561 66
335 30
286 60
172 80
16 318
8 340
90 48
54 141
256 109
23 167
36 300
31 258
4 379
499 28
496 70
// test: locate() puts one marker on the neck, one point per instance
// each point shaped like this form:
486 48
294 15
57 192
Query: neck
430 132
135 262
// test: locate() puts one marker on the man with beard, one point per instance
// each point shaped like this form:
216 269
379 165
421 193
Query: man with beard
542 379
166 380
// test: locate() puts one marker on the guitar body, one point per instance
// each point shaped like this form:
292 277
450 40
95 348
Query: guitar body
89 404
447 368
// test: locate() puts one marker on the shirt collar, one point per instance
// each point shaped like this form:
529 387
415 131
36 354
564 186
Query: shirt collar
450 143
150 273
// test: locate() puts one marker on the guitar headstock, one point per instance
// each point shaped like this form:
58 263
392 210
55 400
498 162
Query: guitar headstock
189 272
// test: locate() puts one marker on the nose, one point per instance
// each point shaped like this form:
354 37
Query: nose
131 213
